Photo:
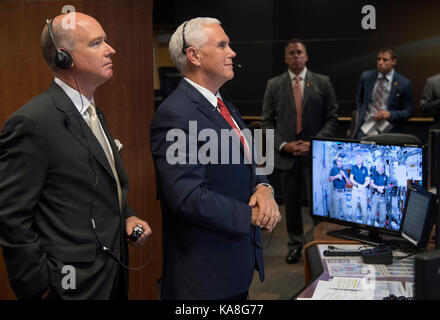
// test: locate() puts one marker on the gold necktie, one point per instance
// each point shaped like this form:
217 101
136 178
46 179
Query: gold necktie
96 129
297 94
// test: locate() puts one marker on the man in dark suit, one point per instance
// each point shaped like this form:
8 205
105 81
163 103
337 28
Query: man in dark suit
63 186
298 104
430 101
384 98
213 211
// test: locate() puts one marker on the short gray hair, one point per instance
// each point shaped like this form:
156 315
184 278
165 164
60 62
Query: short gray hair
195 36
63 39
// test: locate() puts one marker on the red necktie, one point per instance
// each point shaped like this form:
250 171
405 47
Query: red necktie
225 113
297 94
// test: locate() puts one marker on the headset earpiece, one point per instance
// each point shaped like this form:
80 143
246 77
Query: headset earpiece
63 59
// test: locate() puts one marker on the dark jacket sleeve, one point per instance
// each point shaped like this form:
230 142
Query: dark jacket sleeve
429 103
268 120
23 167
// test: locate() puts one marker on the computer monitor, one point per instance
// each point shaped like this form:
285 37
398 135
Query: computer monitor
418 216
363 184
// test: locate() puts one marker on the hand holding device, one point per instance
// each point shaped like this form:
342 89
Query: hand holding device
134 225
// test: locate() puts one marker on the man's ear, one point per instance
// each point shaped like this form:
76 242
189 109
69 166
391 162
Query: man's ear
393 62
192 56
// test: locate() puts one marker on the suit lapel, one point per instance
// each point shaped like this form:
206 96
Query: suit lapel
370 87
202 104
78 127
308 82
211 112
120 169
394 86
235 115
214 116
287 89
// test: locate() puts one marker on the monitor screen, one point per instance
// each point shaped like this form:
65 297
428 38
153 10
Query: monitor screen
364 183
418 216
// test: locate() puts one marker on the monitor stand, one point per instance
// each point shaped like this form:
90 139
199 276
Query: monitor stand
364 236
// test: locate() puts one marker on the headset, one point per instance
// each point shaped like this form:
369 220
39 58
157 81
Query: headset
184 44
63 59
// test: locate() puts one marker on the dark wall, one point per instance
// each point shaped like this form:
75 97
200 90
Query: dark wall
336 43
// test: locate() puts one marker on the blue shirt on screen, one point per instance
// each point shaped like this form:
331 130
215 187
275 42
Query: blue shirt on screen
359 174
338 184
379 179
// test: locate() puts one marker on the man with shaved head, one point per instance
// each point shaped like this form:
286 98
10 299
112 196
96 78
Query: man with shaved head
63 187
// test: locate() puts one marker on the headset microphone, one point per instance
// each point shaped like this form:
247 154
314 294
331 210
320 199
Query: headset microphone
67 119
237 65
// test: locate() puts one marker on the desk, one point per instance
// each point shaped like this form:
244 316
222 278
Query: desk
397 278
319 236
316 269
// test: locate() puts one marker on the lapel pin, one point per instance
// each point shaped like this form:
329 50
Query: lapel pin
396 83
309 83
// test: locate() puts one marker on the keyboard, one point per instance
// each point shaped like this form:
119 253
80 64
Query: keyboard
338 253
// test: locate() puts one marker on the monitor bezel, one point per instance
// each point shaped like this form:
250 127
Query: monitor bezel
357 225
427 225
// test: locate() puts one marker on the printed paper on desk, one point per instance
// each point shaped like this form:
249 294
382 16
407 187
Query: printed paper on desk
345 283
409 288
385 288
324 292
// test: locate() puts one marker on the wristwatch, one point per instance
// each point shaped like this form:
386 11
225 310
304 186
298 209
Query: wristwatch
266 185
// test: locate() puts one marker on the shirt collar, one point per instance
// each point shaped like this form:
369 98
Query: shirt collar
389 76
302 75
212 98
75 96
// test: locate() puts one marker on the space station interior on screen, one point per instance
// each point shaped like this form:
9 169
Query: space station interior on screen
364 183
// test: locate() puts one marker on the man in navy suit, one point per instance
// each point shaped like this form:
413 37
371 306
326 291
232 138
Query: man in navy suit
384 99
213 211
